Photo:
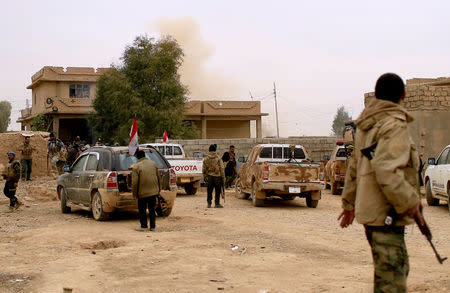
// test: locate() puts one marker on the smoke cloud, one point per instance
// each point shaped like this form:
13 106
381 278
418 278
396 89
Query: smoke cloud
203 83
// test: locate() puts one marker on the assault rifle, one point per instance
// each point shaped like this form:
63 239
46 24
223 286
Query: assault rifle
222 187
369 152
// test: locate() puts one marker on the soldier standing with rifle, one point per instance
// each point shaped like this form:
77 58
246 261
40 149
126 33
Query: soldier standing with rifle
381 184
214 175
12 176
54 149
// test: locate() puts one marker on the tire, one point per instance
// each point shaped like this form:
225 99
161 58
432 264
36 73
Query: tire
190 189
311 203
335 190
430 199
97 208
64 208
239 193
256 201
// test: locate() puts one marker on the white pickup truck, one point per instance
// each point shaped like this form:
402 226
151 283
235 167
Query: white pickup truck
188 170
437 178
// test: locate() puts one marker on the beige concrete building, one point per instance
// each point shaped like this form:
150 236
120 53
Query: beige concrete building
428 101
66 95
225 119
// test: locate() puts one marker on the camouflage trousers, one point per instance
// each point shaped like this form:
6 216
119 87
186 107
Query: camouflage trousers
390 258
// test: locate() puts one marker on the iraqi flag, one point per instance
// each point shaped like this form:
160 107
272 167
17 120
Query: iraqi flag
165 137
133 145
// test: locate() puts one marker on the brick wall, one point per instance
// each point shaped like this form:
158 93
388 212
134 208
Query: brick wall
317 146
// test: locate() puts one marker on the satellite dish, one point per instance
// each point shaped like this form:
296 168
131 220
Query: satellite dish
49 101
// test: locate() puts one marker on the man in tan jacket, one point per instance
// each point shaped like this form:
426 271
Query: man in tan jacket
381 186
145 180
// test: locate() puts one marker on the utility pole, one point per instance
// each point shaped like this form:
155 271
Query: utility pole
276 108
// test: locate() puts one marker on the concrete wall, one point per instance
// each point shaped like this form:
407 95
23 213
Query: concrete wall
317 146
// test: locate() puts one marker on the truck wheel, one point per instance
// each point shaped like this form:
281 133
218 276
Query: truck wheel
64 208
239 193
97 208
190 189
311 203
335 190
256 201
430 199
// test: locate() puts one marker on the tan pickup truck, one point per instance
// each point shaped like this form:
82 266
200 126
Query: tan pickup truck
279 170
336 168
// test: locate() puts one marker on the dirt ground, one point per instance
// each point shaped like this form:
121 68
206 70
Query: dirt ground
283 247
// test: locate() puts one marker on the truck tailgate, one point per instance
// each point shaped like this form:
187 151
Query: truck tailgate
293 172
182 166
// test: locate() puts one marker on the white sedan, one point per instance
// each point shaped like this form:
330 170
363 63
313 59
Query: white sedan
437 178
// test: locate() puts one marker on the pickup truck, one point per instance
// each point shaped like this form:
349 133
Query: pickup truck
100 180
336 168
188 170
279 170
437 178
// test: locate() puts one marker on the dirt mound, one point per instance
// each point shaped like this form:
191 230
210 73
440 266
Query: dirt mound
41 193
103 244
13 141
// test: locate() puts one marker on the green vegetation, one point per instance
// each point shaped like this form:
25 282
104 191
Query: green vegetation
339 121
40 123
147 85
5 114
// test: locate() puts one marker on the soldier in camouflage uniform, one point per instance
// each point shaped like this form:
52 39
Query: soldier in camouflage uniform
214 175
12 175
384 186
27 160
54 149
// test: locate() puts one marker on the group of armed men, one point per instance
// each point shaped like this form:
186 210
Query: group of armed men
58 155
381 186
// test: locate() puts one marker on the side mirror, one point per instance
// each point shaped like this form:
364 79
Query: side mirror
67 169
326 158
431 161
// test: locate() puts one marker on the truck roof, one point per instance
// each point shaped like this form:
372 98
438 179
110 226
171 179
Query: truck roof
283 145
160 144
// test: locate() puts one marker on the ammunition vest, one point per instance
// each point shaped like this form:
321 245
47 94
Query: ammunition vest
12 170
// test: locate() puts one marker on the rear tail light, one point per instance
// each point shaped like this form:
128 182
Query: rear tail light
173 177
111 180
265 173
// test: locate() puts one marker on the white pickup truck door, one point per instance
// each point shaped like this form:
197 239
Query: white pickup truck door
440 173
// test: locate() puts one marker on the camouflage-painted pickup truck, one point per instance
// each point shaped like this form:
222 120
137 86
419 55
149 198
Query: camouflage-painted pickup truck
279 170
100 180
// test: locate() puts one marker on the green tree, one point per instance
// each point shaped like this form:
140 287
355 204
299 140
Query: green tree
5 114
339 121
40 123
147 85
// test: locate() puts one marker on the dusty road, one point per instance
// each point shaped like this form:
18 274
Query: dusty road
283 247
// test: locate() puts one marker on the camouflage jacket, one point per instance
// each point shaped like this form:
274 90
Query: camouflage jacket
27 151
12 171
54 147
213 165
390 179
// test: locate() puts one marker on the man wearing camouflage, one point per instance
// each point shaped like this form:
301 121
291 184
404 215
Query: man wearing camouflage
381 189
12 175
214 175
27 161
54 149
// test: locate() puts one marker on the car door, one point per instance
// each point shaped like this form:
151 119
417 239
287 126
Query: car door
73 187
87 177
437 184
441 167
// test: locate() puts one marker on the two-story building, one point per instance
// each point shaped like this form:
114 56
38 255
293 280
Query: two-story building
65 96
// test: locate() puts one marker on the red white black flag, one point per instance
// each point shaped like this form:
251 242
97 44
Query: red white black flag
165 137
133 145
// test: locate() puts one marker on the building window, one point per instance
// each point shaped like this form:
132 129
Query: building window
79 90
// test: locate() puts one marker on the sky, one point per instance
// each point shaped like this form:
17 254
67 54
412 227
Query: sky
320 54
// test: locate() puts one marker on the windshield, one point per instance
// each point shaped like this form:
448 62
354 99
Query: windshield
125 160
